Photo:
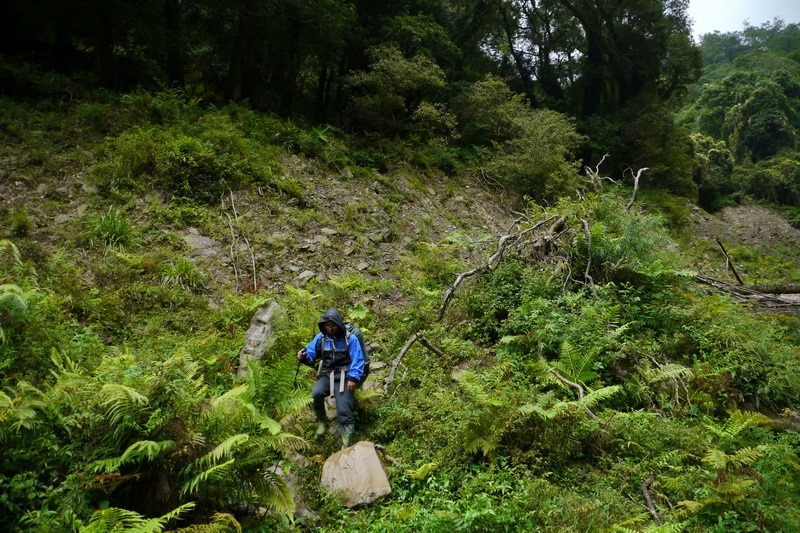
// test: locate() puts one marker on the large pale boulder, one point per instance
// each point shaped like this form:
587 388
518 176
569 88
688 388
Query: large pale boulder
260 335
356 473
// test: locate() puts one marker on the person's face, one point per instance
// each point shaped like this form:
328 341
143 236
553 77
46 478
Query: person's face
331 328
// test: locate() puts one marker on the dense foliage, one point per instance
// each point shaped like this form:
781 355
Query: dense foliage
585 383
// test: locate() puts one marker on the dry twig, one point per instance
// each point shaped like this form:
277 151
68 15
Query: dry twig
649 500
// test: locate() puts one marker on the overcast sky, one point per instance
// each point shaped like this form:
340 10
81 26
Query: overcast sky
729 15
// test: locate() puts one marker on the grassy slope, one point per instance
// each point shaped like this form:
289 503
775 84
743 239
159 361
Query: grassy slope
388 241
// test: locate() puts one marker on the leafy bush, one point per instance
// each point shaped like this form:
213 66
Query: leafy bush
533 149
385 97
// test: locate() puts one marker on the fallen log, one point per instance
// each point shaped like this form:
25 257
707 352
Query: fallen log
786 302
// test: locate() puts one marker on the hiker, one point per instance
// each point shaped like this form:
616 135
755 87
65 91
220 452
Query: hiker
341 364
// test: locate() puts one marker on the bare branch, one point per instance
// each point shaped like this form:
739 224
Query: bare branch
635 188
776 302
577 386
595 178
728 262
649 500
502 244
586 275
414 338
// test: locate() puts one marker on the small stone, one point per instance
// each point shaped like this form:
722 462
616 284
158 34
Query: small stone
306 275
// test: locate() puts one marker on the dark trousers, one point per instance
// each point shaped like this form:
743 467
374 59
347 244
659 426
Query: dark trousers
345 401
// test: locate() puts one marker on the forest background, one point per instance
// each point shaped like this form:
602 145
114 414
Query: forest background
168 168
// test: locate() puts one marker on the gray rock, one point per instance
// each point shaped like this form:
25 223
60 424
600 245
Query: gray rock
357 473
306 275
201 246
260 335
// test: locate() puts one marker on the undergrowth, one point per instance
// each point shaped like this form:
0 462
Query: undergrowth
565 383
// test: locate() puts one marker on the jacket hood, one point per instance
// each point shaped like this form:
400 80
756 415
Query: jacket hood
331 315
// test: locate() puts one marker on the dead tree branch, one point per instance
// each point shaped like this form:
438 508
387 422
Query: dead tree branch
586 275
502 244
595 178
776 302
728 262
416 337
635 188
787 288
649 500
577 386
423 341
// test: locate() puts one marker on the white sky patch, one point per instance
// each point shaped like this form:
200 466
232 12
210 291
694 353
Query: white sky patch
729 15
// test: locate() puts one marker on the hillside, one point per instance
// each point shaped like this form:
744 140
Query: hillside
138 285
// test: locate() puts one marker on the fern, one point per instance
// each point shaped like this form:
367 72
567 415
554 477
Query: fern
216 472
21 409
543 406
225 449
597 396
114 520
746 456
574 363
273 492
122 401
13 308
738 422
220 523
136 452
422 472
667 371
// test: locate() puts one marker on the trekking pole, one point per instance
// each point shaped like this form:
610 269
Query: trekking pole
296 372
294 383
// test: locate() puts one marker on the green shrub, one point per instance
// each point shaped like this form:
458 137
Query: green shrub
111 230
533 149
184 274
200 160
385 98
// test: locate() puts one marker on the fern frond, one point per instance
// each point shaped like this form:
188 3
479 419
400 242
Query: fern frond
574 363
214 473
716 459
6 404
297 400
597 396
138 451
233 394
113 519
749 455
361 394
122 401
735 489
146 449
738 422
422 472
282 442
687 508
21 409
263 421
225 448
220 523
544 406
273 492
667 371
671 458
